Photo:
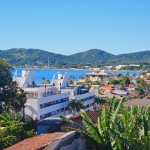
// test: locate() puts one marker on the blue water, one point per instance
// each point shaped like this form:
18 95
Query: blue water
48 74
130 73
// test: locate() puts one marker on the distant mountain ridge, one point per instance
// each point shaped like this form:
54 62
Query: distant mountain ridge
21 56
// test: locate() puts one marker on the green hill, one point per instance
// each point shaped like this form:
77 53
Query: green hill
21 56
32 56
92 56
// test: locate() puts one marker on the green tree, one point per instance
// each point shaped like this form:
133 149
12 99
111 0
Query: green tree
13 97
18 103
140 90
5 73
82 77
124 80
14 130
99 100
113 81
71 81
75 105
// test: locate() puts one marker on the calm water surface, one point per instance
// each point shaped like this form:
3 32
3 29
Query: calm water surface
48 74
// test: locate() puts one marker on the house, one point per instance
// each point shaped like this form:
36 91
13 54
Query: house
37 142
78 118
51 100
119 92
54 141
137 102
115 76
147 72
107 88
97 76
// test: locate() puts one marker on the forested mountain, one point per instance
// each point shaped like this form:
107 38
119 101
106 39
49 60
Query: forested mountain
93 56
21 56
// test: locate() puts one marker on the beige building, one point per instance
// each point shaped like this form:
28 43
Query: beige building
97 76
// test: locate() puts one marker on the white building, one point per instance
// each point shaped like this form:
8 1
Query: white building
75 92
51 100
97 76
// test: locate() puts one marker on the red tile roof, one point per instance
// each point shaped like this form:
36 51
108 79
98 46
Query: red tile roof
92 114
36 142
109 87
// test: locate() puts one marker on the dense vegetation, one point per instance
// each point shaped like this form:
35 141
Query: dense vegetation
118 128
92 58
13 127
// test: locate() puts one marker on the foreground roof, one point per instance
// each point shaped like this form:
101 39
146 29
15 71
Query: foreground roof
36 142
138 102
92 115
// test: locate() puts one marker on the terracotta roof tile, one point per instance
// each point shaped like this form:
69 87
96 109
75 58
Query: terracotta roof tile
92 114
109 86
36 142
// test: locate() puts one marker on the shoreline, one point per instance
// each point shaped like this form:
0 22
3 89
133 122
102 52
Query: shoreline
80 69
54 69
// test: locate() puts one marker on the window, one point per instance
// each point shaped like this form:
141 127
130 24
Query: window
49 114
53 102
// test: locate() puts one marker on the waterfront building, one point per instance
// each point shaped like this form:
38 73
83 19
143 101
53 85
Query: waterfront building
51 100
97 76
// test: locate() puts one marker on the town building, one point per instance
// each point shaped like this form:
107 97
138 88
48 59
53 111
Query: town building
53 141
97 76
51 100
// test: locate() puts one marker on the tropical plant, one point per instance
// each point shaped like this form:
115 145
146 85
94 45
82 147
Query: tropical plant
116 129
124 80
113 81
140 90
95 83
8 118
75 105
14 130
82 77
71 81
98 134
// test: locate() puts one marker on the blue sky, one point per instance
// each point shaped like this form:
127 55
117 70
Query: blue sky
71 26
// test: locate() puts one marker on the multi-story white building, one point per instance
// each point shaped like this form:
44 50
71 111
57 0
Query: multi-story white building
51 100
75 92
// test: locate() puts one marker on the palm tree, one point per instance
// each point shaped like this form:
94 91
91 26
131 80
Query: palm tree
75 105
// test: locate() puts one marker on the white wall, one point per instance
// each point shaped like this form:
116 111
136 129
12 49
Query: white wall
31 107
50 99
82 96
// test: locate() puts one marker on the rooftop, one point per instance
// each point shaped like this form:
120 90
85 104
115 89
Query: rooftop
92 114
109 86
138 102
119 92
36 142
98 73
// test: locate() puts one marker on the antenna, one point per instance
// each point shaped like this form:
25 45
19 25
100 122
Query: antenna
48 63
